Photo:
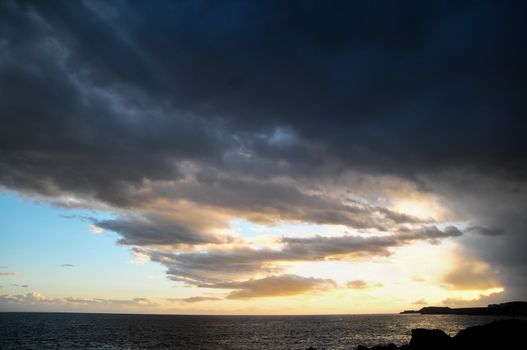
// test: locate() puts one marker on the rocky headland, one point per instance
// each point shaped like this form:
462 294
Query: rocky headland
513 308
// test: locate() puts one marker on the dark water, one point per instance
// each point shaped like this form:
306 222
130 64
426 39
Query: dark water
106 331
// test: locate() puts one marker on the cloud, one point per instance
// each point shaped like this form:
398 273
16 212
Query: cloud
482 300
156 230
197 212
487 231
139 258
96 229
235 132
371 245
328 85
469 274
9 273
361 284
497 204
274 286
38 301
67 265
23 298
357 284
196 299
135 302
418 279
421 301
297 96
239 261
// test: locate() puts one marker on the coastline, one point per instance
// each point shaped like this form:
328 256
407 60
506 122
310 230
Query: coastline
513 308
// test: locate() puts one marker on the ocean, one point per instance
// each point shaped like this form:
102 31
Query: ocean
120 331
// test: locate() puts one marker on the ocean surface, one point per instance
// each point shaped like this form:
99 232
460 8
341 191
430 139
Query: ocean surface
111 331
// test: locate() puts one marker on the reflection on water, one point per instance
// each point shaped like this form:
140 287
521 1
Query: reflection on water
105 331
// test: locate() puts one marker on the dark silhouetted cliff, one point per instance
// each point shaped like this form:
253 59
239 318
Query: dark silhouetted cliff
514 308
499 335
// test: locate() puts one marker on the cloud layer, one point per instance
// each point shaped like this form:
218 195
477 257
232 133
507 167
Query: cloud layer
180 117
38 301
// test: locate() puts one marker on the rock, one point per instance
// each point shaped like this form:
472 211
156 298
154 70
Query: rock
431 339
499 335
506 334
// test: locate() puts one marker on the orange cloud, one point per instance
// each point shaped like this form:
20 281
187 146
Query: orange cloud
494 298
471 275
273 286
361 284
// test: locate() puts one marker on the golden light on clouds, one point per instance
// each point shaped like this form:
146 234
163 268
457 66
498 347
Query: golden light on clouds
470 274
298 267
359 256
404 197
419 208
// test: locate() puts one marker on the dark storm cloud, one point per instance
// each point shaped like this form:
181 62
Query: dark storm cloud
487 231
98 95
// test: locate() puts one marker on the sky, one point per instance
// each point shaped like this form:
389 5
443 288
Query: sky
262 157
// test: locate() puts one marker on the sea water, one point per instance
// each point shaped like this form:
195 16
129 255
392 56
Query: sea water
121 331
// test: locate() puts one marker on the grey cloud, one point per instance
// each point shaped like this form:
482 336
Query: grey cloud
274 199
487 231
136 230
208 267
67 265
266 202
205 267
135 121
371 245
497 206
